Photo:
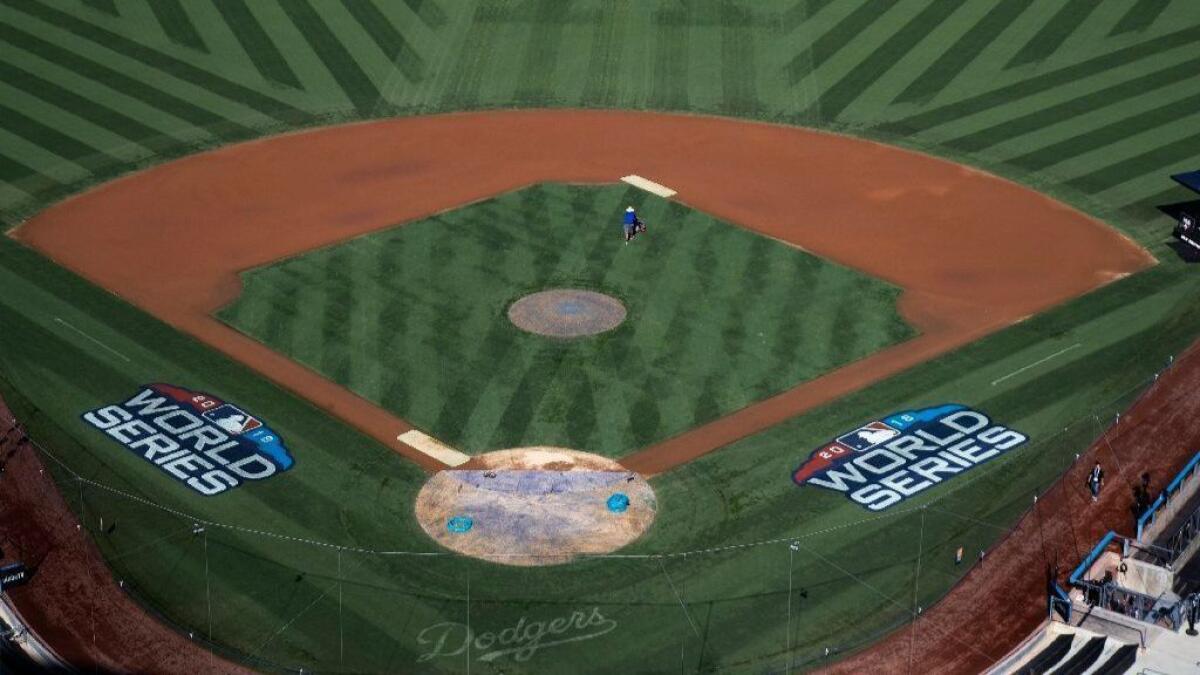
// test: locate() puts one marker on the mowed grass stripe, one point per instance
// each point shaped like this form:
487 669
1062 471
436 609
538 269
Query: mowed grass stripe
65 146
938 75
536 84
42 159
476 53
671 61
739 69
25 178
1055 32
257 44
879 61
1095 99
829 43
429 12
680 267
387 37
106 6
130 86
602 81
1146 205
1164 158
1046 386
175 23
1113 132
89 109
116 148
745 341
1040 83
1140 16
469 329
641 372
338 304
494 362
358 87
266 105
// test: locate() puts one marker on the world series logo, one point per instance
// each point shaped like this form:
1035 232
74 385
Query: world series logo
196 439
885 462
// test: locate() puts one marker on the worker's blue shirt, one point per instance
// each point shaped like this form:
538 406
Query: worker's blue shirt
630 217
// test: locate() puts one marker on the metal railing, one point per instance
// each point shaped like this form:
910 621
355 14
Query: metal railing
1106 594
1138 606
1182 538
1060 600
1172 491
1076 577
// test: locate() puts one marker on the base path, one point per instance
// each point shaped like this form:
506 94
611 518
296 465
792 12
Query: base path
973 252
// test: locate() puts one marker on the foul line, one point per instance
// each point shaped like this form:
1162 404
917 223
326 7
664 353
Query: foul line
92 339
1036 363
649 186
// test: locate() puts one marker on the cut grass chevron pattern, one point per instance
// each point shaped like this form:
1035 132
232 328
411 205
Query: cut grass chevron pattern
1093 102
414 319
989 82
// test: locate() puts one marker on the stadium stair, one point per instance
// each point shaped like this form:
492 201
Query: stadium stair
1084 659
1120 661
1048 657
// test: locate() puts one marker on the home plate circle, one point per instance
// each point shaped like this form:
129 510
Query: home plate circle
536 506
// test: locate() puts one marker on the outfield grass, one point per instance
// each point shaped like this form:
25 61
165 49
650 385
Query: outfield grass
1093 102
414 319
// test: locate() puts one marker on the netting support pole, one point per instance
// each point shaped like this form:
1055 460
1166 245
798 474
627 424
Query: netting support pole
208 599
341 643
912 645
469 640
791 566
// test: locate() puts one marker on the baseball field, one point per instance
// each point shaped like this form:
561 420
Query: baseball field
303 225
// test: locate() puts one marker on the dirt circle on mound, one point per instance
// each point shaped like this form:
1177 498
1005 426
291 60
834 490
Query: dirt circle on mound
566 313
536 506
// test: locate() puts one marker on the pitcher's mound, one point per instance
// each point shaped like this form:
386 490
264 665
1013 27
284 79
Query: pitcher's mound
566 313
536 506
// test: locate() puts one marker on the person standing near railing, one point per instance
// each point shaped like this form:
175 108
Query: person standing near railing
1095 481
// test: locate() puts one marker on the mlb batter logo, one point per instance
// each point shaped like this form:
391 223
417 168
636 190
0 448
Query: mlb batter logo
869 436
232 419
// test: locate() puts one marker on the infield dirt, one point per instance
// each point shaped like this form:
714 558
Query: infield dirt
972 252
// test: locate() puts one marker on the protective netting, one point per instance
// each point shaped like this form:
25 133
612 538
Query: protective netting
773 597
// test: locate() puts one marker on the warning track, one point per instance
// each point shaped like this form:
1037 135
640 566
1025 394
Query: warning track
973 252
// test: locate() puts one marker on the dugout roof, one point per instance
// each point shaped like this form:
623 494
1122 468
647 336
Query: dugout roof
1189 180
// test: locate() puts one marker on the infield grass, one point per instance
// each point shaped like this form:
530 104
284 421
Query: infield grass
414 319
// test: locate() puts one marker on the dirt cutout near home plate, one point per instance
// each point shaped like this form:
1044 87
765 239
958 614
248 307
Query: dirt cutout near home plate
536 506
972 252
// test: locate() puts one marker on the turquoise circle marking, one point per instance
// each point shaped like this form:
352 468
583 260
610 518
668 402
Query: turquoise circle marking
618 502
